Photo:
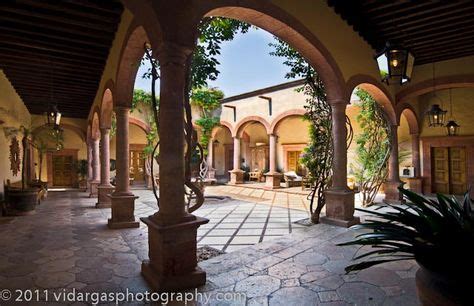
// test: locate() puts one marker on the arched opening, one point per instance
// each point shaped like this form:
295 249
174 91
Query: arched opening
222 153
290 30
293 136
254 150
370 140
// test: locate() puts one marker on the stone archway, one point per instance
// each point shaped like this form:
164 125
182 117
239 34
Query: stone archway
240 127
415 90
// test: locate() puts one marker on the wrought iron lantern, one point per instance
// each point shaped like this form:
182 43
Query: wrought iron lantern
398 61
436 116
54 117
452 127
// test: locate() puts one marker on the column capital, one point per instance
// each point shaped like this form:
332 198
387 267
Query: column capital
173 53
335 103
121 109
105 129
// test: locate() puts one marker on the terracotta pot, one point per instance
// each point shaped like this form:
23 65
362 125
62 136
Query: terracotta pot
434 289
23 201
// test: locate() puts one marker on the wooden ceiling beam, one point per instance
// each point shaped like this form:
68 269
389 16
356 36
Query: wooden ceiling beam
66 21
47 26
19 43
26 54
104 6
54 35
57 89
41 60
45 68
50 43
77 11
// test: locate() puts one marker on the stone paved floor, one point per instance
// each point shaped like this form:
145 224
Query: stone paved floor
66 244
235 224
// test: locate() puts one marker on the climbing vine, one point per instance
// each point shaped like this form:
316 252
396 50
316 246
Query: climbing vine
208 100
373 147
317 156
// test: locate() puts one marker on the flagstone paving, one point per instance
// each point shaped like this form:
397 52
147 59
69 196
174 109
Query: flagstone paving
66 245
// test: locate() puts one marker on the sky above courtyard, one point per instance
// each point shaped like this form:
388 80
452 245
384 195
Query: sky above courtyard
245 65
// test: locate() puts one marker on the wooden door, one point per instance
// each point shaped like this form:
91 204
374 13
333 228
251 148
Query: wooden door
440 170
137 165
457 170
449 170
229 158
63 174
293 161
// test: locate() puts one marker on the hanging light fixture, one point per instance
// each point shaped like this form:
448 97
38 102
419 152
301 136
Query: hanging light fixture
436 115
452 127
395 62
53 115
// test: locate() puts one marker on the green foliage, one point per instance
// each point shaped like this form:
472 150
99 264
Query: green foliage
81 168
317 156
208 99
206 124
213 31
435 232
299 67
373 147
140 97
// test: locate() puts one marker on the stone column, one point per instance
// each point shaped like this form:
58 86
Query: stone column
416 183
172 231
211 172
94 183
236 174
123 201
105 188
89 164
339 198
272 177
392 195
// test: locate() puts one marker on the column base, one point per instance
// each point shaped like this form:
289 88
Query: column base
236 177
340 208
416 184
272 180
172 250
94 192
104 200
123 207
392 195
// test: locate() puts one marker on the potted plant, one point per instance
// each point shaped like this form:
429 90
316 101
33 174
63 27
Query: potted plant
23 200
437 233
82 173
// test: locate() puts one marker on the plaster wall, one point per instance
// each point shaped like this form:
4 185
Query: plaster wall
13 114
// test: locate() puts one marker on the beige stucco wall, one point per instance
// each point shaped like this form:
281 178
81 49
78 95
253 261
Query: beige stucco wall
14 114
462 100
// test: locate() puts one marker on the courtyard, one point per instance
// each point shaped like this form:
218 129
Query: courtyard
230 152
75 249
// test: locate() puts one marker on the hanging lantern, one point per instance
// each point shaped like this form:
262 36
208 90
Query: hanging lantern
395 63
436 116
452 127
54 117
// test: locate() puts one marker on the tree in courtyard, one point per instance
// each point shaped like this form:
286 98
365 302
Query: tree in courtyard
208 100
370 167
317 156
203 66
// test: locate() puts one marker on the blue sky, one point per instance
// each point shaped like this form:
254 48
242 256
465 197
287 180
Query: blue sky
245 65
